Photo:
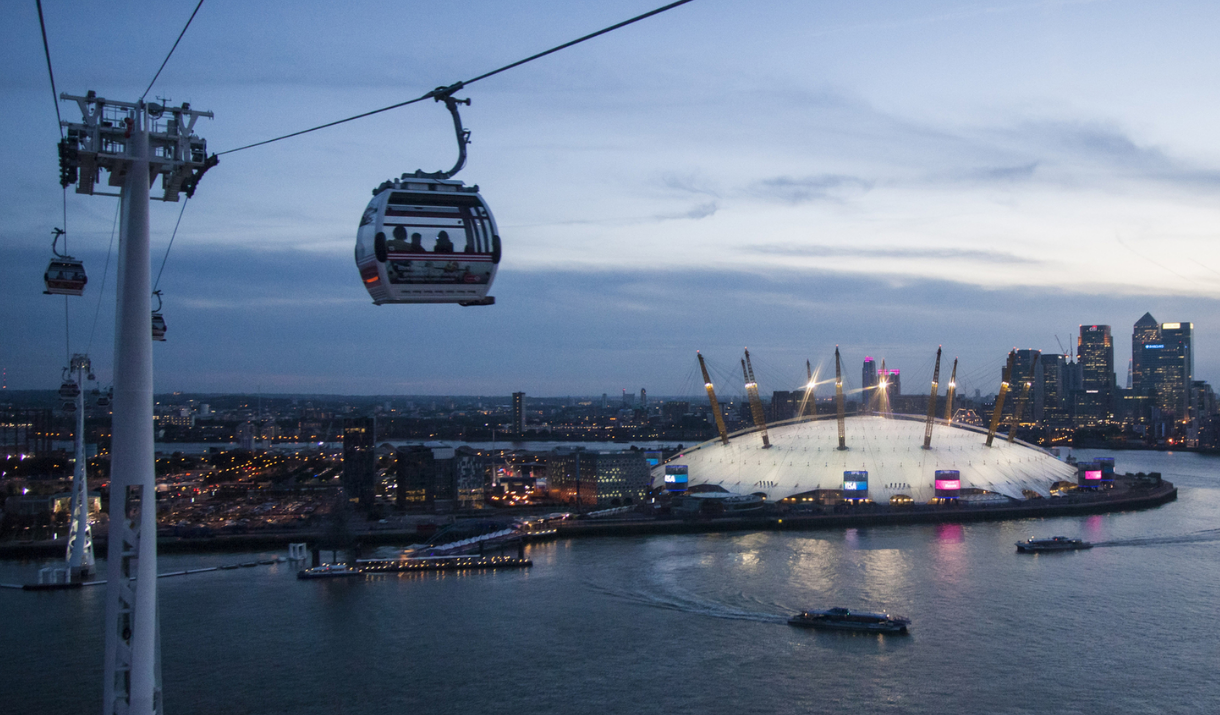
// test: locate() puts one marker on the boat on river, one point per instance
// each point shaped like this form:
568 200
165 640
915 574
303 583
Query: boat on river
842 619
1055 543
329 571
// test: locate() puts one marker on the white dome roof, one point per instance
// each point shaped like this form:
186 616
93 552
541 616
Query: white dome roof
804 456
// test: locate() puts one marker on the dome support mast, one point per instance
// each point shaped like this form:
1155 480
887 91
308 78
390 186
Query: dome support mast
756 408
949 394
839 400
927 430
809 405
711 395
999 400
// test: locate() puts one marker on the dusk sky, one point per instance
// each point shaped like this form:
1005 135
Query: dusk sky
887 176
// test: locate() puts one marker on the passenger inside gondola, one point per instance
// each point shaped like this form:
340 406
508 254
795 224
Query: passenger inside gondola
416 246
443 244
398 244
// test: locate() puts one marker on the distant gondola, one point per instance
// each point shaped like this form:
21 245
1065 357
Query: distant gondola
426 238
158 321
68 390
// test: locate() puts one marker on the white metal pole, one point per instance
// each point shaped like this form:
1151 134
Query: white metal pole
131 637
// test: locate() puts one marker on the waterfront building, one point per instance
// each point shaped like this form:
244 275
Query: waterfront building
440 477
359 460
783 405
26 431
245 436
672 412
601 479
518 413
804 462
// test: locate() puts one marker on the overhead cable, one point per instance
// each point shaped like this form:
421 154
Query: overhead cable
445 91
46 48
157 283
171 51
102 290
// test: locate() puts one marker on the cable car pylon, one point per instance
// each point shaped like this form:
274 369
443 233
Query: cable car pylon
80 536
134 143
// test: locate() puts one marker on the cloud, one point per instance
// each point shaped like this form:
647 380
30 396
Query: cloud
930 254
800 190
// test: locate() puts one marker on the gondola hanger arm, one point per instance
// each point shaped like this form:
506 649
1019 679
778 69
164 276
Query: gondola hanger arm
445 94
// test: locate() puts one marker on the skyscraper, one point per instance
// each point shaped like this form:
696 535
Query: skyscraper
1145 353
1175 371
1095 351
519 413
1026 366
868 380
1052 385
359 460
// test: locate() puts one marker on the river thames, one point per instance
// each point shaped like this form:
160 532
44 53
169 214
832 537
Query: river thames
692 623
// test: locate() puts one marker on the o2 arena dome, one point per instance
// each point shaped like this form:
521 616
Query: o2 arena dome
884 458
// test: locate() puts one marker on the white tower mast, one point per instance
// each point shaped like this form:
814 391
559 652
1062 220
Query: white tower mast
80 536
134 143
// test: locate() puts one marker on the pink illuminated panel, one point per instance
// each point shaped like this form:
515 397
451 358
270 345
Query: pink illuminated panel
948 484
1093 474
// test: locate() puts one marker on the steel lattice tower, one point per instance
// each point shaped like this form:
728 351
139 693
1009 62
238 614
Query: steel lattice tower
80 536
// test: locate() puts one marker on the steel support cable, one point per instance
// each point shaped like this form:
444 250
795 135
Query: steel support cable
171 51
46 48
157 282
106 270
444 91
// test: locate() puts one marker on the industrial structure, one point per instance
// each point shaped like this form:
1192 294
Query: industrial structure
804 458
876 456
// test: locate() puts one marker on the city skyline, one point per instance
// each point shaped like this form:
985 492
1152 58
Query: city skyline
656 195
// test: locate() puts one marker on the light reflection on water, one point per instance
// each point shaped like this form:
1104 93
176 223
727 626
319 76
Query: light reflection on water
691 623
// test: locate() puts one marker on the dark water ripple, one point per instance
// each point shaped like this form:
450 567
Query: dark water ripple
688 624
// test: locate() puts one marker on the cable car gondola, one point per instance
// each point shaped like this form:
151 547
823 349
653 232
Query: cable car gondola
158 322
426 238
65 275
104 398
69 390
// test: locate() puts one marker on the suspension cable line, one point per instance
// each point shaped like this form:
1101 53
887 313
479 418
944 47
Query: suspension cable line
46 48
157 283
171 50
441 92
102 290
